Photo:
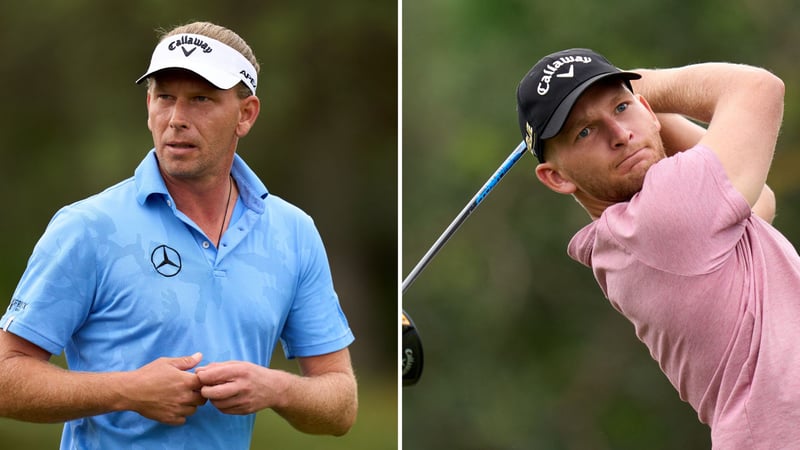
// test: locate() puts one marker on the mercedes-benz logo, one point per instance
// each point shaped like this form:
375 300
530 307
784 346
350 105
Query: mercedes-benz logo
166 260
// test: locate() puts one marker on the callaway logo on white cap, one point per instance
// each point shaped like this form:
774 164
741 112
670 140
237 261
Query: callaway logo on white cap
218 63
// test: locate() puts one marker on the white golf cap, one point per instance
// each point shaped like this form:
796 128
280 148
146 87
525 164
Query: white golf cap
218 63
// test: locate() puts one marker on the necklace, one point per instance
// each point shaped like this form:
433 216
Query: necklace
227 205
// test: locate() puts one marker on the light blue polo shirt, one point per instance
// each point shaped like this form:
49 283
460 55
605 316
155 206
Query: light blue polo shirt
122 278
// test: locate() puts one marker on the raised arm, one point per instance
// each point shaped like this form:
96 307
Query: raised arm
743 106
679 133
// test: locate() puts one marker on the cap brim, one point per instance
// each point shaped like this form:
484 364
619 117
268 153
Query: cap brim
217 77
559 117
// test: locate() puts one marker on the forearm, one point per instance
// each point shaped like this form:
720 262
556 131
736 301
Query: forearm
679 133
765 206
323 400
698 90
323 404
33 390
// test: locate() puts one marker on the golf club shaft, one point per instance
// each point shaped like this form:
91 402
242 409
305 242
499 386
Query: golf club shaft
462 216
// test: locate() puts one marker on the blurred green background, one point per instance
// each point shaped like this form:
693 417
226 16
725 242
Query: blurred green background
522 350
73 122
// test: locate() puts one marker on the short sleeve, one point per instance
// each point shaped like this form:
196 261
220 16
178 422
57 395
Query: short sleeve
55 293
316 324
686 219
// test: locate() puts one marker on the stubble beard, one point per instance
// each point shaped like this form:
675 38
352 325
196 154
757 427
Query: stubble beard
183 168
622 189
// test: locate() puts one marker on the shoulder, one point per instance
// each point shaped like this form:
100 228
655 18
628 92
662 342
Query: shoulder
96 215
109 197
687 186
582 243
280 205
686 218
120 196
276 212
695 164
286 224
279 208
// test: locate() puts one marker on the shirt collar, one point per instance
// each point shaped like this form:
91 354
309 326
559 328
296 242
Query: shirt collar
149 182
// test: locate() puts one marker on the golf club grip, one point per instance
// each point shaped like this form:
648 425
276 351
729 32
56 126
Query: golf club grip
462 216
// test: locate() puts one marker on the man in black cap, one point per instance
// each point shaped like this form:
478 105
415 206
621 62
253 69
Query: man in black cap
679 243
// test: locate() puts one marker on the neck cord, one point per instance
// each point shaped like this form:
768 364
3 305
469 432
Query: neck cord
227 205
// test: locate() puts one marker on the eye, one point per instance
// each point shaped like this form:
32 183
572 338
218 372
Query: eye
622 107
201 99
584 133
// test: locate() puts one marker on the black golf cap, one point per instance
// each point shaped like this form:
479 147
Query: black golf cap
550 89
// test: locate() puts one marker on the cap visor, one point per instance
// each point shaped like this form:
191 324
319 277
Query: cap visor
216 77
559 117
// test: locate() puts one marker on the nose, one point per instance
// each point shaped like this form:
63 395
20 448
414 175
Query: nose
178 118
620 135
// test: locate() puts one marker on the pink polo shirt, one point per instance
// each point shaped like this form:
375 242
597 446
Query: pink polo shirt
714 293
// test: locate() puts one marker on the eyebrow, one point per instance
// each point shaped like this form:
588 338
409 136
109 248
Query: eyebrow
169 86
623 95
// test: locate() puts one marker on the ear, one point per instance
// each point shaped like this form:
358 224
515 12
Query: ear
553 179
147 102
248 113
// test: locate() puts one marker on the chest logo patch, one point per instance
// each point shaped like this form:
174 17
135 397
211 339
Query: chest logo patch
166 260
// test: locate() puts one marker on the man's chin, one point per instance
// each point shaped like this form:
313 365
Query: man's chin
625 192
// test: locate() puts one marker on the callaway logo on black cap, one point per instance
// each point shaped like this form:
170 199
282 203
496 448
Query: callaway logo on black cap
550 89
551 70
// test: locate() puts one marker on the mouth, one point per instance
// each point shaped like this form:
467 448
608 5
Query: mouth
180 145
631 160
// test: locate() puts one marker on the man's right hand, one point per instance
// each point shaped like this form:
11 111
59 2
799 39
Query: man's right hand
164 390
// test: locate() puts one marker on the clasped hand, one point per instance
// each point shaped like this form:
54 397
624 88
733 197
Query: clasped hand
169 392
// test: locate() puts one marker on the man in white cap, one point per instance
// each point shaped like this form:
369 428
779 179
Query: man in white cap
169 291
680 240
